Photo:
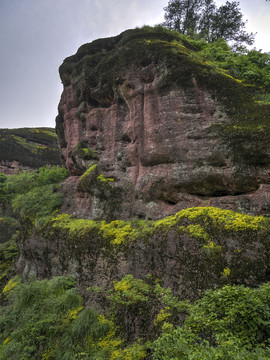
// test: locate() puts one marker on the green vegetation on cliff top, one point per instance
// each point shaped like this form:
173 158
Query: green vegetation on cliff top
107 60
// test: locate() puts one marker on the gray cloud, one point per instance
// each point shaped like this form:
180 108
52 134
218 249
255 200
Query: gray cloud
36 36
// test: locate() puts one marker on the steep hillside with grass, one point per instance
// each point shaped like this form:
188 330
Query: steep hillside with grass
28 148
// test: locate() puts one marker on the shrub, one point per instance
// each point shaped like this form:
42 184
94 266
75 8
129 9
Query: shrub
34 193
39 202
36 316
229 323
46 320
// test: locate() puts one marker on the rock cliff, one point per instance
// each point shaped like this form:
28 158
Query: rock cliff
147 129
154 129
191 251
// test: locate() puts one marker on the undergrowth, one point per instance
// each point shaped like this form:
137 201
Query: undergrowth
33 193
227 323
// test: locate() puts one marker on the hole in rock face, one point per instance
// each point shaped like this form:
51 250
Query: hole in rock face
171 202
146 61
93 102
148 78
126 138
93 128
121 101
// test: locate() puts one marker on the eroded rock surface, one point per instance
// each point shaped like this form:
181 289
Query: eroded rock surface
166 129
194 250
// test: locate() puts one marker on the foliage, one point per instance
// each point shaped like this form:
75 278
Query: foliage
228 323
40 308
46 320
202 223
212 216
130 291
39 202
146 300
34 193
82 150
87 178
118 231
249 67
182 15
8 254
104 179
24 181
3 178
10 285
202 19
92 180
19 183
253 67
51 175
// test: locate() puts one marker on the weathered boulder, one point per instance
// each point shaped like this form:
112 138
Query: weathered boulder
170 131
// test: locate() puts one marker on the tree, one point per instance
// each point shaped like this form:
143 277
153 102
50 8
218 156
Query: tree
182 15
206 18
227 23
201 18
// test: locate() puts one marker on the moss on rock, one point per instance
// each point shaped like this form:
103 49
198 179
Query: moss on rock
104 62
190 251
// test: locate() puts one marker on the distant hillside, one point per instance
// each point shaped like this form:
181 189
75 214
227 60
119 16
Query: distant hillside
28 148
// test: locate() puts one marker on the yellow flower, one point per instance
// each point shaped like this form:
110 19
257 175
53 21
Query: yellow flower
7 340
10 285
73 313
226 272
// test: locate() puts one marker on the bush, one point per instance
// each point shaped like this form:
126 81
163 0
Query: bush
37 315
46 320
33 193
38 202
253 67
51 175
229 323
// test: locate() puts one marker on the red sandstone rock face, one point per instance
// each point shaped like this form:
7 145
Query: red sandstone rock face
11 167
163 146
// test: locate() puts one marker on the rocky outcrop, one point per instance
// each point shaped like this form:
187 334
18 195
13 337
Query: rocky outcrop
168 129
147 130
27 149
194 250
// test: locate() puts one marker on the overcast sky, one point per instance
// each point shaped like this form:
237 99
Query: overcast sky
37 35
